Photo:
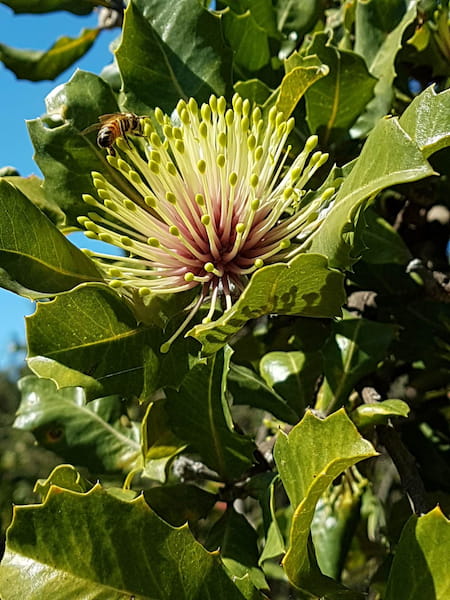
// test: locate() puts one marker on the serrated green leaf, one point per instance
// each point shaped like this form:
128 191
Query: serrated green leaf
207 426
78 7
36 65
354 351
304 286
427 120
293 375
314 453
91 330
389 157
96 545
334 103
249 389
65 477
419 569
379 54
33 253
171 51
255 90
379 412
91 434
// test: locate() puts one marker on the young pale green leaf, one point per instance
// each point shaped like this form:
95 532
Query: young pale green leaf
93 435
301 74
427 120
65 156
383 243
238 544
334 103
256 91
187 54
36 65
314 453
379 52
304 286
379 413
293 375
249 389
98 545
78 7
207 426
91 330
37 260
389 157
420 566
65 477
354 351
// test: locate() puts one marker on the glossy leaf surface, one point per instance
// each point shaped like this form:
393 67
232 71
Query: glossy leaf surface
120 547
304 286
36 259
97 435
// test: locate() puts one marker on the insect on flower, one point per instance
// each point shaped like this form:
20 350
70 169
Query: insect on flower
213 200
113 126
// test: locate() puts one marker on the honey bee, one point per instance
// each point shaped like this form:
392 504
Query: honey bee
115 125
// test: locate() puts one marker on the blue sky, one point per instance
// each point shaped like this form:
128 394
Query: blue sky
20 100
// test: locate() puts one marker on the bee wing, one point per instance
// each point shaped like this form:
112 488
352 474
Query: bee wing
94 127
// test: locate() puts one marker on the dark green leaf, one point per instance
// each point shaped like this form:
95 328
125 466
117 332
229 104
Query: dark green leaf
384 244
97 435
91 330
419 569
36 65
427 120
297 17
171 51
250 389
334 103
207 425
379 52
78 7
304 286
354 351
314 453
37 260
180 503
121 549
248 26
64 155
237 541
293 375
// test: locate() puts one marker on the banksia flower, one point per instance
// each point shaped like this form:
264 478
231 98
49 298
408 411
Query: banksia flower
211 200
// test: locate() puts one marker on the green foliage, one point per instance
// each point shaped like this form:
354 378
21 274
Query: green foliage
266 445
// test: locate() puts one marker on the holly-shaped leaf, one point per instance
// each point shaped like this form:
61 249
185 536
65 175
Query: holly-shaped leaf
314 453
99 545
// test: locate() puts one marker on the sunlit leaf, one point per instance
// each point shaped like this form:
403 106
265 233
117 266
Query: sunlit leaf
36 65
37 260
186 49
314 453
419 569
304 286
379 412
120 547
